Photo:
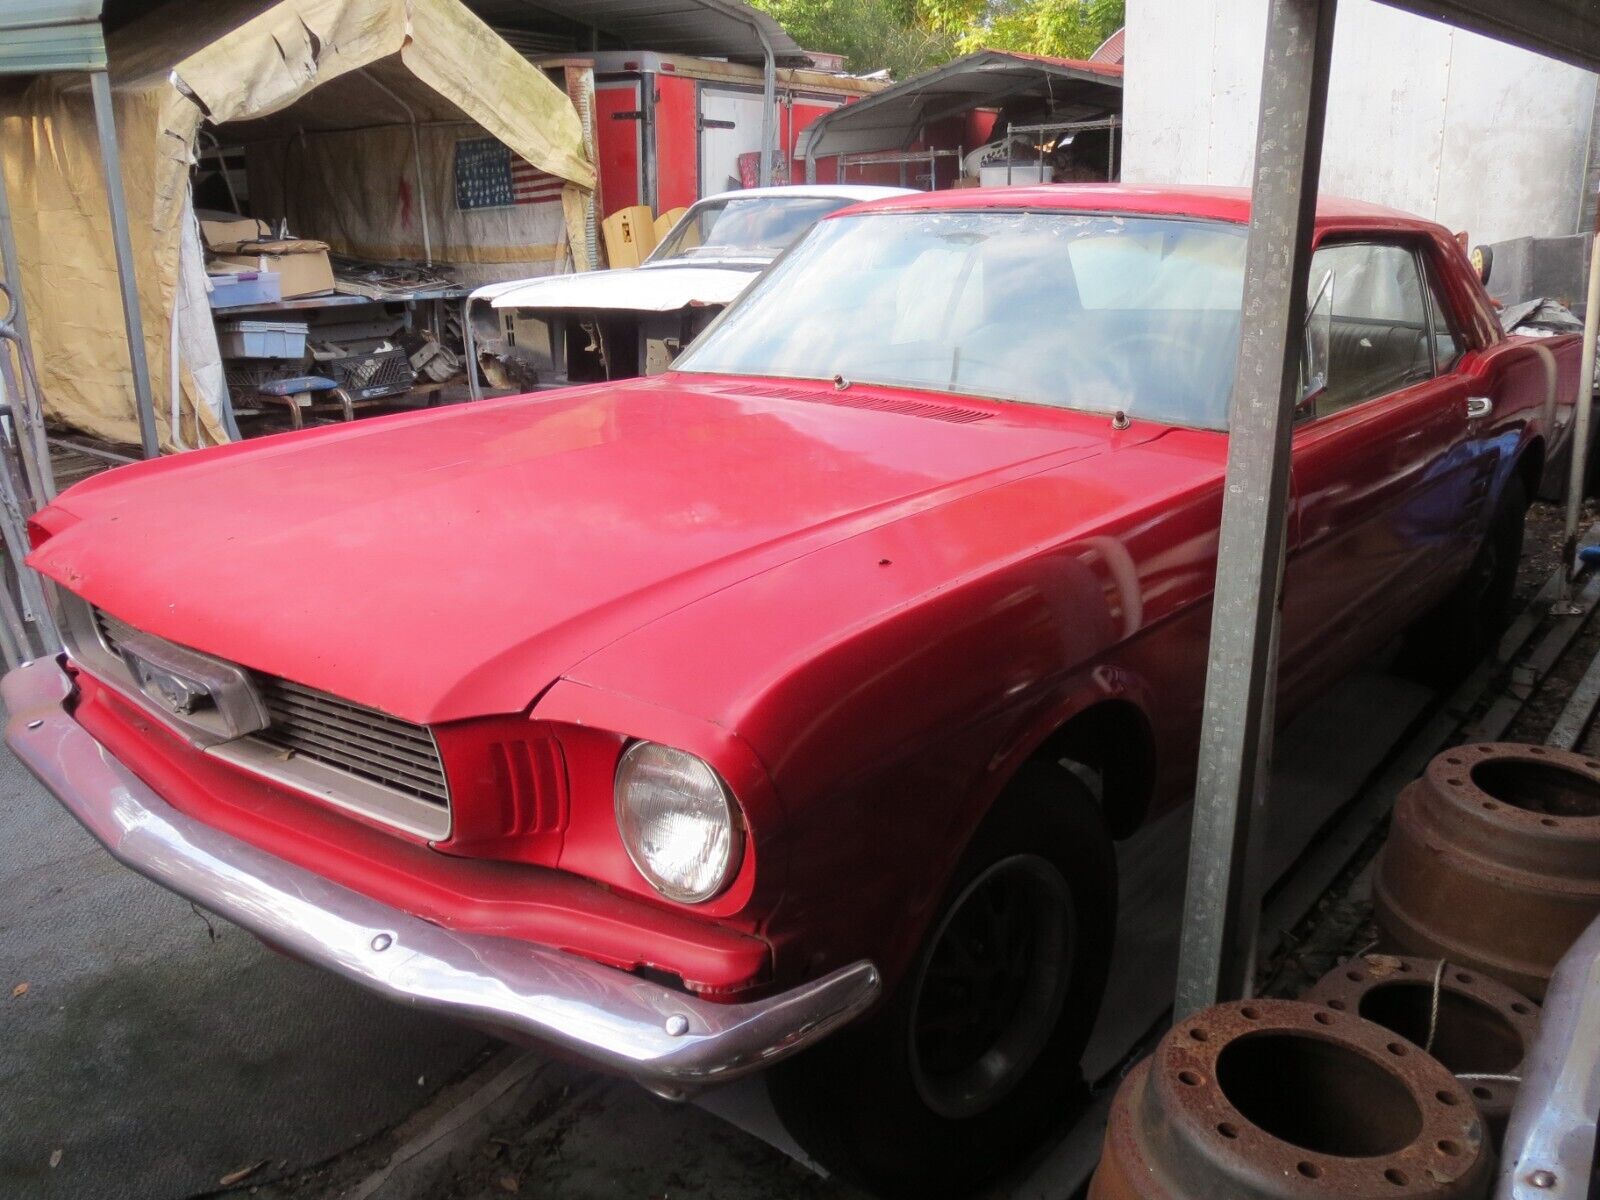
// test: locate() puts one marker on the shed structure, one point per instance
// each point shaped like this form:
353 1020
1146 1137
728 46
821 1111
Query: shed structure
350 111
1009 86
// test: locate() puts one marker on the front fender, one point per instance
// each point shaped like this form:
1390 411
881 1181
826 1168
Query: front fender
594 726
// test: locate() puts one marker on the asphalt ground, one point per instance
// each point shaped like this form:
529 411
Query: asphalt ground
149 1051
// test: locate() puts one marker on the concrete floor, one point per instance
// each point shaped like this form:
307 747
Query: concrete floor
151 1052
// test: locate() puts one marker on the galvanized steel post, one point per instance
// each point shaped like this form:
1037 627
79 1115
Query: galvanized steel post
1578 471
105 121
769 104
1217 953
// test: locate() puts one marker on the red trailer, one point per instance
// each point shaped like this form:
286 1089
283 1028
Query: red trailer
671 129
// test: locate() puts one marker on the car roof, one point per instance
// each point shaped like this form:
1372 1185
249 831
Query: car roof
858 192
1208 203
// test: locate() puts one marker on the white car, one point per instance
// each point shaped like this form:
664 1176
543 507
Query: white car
597 325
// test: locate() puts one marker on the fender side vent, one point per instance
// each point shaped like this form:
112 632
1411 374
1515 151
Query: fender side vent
530 778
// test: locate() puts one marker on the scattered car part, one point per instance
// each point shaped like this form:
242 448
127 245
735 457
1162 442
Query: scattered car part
1541 317
1493 861
1550 1144
592 326
434 359
1478 1028
1279 1098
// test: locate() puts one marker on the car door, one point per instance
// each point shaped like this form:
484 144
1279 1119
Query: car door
1380 466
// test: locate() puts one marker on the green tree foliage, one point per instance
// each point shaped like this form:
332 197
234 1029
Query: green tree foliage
909 36
871 34
1064 28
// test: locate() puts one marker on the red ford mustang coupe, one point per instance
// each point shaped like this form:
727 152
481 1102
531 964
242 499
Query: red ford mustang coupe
783 712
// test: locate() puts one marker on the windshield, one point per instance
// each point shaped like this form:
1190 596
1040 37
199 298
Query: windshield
739 227
1073 310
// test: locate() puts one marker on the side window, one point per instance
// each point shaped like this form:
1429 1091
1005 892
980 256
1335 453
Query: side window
1380 337
1447 343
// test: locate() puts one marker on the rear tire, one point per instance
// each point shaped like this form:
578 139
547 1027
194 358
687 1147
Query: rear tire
974 1059
1448 642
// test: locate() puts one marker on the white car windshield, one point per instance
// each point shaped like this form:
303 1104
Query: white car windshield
1094 312
759 227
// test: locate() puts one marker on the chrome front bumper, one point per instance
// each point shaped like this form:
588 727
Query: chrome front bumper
671 1042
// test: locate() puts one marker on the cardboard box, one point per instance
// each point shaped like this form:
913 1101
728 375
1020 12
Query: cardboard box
220 235
302 267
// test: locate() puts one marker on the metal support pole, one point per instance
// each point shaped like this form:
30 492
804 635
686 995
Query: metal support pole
11 265
105 122
469 351
1582 403
1216 958
416 162
769 102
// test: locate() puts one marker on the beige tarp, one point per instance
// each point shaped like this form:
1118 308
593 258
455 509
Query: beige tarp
320 71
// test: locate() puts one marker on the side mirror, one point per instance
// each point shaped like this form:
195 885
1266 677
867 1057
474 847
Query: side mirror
1317 346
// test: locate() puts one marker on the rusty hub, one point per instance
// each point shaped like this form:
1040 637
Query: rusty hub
1278 1098
1493 861
1481 1029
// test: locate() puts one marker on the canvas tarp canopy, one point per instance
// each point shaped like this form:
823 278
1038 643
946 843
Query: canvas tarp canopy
349 82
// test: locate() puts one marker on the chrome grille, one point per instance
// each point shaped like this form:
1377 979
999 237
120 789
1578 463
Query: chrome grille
353 738
337 733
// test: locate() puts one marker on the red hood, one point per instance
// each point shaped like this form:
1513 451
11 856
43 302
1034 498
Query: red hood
454 563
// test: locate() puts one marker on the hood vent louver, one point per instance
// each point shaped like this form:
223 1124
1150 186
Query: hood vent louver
867 400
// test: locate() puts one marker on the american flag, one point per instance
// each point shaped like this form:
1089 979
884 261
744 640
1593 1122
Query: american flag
488 175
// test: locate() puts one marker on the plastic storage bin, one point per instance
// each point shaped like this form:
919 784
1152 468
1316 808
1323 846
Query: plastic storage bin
245 288
262 339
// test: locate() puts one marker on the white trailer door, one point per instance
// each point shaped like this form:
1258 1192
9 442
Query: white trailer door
730 125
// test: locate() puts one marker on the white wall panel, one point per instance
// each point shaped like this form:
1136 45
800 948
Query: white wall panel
1422 117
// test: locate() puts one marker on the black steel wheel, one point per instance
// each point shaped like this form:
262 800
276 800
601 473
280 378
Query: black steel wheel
991 984
973 1060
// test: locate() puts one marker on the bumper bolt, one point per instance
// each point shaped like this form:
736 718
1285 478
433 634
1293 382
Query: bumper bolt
382 942
677 1025
1542 1179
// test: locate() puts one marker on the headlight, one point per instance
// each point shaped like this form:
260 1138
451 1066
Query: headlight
678 821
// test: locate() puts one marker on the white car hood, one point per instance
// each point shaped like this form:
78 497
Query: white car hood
636 289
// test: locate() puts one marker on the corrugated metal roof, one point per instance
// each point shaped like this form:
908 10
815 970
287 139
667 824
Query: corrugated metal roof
1112 50
50 35
709 28
894 118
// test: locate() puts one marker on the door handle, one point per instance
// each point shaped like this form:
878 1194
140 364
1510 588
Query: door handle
1479 407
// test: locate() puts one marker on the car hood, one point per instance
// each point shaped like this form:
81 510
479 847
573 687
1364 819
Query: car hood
455 563
663 288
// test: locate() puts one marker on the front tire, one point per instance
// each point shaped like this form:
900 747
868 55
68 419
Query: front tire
974 1059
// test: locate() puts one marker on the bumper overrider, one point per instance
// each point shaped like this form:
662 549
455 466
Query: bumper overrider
671 1042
